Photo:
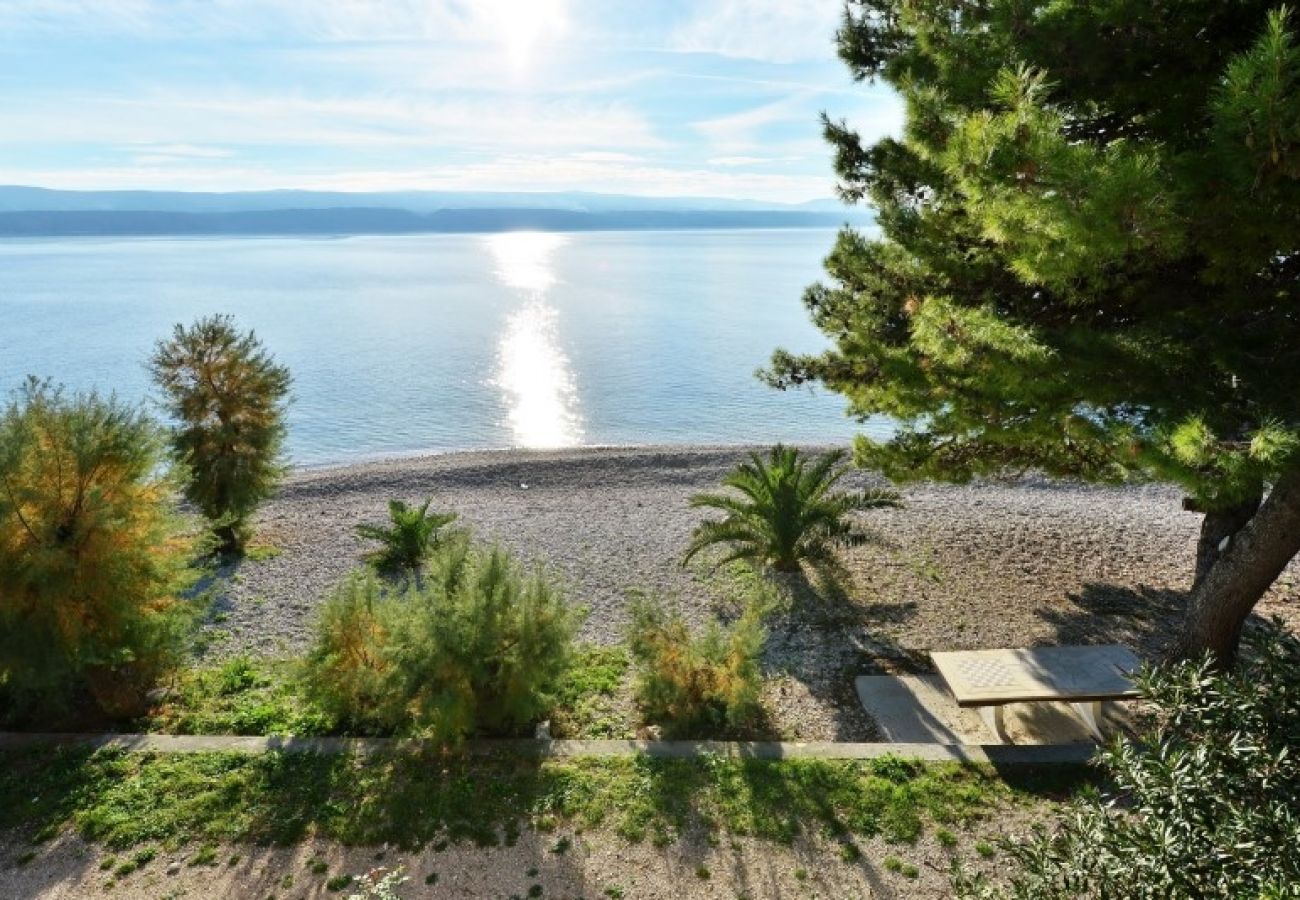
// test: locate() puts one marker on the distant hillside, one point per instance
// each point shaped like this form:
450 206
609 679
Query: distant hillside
33 212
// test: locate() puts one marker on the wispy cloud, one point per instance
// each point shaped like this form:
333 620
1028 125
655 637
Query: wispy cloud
375 121
780 31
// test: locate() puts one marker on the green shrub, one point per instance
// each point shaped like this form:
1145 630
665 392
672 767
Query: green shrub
228 398
696 684
478 646
93 560
410 537
787 511
1206 800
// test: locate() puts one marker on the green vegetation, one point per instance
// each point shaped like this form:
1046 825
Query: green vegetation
92 557
697 685
227 397
126 800
1086 263
408 539
787 512
1210 793
242 695
477 647
584 697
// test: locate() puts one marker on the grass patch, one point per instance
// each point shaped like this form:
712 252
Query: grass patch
585 704
259 552
242 695
124 799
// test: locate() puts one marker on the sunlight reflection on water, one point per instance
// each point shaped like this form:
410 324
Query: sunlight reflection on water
533 371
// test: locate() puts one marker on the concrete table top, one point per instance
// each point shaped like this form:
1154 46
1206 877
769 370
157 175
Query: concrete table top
1076 673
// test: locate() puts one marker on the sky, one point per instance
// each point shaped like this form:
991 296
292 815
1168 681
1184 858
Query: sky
715 98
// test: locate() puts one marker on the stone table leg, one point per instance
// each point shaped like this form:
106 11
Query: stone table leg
993 717
1089 712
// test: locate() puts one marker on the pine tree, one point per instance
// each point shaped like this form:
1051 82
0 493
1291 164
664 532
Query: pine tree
227 397
1088 261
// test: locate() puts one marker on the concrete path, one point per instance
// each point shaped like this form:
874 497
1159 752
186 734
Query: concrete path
996 755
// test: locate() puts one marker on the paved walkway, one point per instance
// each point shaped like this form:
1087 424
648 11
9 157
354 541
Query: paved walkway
997 755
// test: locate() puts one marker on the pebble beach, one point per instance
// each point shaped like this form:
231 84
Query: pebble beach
989 564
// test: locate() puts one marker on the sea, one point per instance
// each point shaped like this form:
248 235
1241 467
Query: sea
403 345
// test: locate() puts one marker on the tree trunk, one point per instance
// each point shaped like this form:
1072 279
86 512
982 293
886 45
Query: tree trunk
1243 571
1219 525
228 540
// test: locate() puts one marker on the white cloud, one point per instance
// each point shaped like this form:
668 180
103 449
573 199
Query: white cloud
517 27
742 131
295 121
752 160
780 31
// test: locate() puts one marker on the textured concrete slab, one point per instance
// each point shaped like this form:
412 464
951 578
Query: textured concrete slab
979 677
920 709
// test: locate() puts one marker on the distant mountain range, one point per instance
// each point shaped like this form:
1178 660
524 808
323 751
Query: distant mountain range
40 212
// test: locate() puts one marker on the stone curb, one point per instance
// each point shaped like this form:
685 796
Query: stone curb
998 755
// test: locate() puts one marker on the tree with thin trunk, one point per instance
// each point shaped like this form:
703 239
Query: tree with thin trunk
1088 262
227 397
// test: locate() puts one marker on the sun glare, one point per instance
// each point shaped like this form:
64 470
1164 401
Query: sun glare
533 372
523 24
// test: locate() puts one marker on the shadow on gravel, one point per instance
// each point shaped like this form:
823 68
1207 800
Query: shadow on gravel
819 641
1141 618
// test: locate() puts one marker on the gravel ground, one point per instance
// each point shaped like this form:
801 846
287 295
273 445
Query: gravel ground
983 565
596 865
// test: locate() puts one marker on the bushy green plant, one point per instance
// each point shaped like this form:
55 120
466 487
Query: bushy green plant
696 685
477 646
788 511
408 539
93 559
227 396
1207 801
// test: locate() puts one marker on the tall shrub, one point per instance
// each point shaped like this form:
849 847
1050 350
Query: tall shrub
92 556
477 646
227 397
696 685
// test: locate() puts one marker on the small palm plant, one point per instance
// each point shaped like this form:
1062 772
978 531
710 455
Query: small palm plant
407 541
787 512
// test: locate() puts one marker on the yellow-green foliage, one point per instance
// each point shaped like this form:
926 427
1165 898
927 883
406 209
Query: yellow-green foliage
697 684
227 396
477 646
92 557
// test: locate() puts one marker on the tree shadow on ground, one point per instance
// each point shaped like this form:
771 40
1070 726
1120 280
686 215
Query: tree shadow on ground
821 640
1142 618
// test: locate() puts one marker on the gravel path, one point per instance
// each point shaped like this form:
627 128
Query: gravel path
982 565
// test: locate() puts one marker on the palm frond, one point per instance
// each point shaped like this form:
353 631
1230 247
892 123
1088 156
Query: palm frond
784 509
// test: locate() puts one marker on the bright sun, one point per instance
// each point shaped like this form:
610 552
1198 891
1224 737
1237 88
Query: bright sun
523 24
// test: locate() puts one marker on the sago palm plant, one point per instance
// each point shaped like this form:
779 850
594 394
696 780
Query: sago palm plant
407 540
787 511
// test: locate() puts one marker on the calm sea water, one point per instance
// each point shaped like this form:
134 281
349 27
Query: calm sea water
445 342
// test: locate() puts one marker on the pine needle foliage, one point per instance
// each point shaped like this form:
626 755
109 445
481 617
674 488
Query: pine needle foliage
408 539
1205 802
1088 259
93 559
785 510
478 646
227 397
704 684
